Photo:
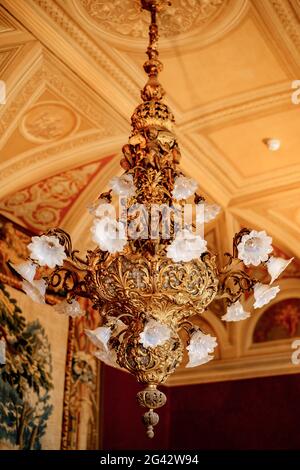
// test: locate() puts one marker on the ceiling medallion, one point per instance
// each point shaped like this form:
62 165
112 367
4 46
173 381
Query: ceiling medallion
151 271
124 17
48 121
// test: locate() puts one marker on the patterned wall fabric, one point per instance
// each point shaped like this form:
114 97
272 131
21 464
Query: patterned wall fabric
25 379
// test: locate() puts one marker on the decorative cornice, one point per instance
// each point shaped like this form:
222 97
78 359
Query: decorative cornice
7 55
82 102
12 111
288 19
249 104
56 157
259 365
65 22
282 19
31 158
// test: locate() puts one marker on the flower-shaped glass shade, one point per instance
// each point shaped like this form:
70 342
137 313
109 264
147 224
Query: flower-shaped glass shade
235 312
2 351
184 187
47 251
109 234
71 309
199 348
195 360
254 248
35 290
100 337
102 208
154 334
116 325
207 212
186 246
276 266
263 294
211 211
26 270
109 357
123 185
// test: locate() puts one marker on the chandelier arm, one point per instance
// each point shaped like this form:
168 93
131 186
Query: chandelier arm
69 282
65 240
187 326
237 239
234 284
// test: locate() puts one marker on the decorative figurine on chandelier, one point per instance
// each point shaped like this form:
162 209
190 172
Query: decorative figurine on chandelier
148 288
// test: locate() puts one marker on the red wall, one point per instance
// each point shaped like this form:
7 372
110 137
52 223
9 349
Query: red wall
261 413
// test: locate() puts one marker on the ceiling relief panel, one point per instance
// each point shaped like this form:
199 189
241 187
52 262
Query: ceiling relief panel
124 17
123 23
48 121
46 203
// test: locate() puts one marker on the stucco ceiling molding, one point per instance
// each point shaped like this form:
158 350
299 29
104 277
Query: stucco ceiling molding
41 75
66 23
288 19
262 364
7 23
16 105
7 56
92 62
261 187
186 24
32 166
47 121
81 98
282 17
250 104
214 177
12 32
258 184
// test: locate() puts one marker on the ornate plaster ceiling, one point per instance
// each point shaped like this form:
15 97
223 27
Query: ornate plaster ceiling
73 71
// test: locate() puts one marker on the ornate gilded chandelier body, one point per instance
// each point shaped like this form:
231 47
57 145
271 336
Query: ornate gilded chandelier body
148 287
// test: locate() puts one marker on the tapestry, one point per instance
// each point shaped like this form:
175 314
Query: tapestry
30 406
84 385
67 384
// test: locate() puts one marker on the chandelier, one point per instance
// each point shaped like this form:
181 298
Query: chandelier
151 271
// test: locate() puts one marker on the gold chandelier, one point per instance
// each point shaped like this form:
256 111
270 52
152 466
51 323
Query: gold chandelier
147 287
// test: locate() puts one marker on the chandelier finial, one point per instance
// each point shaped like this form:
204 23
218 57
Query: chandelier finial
153 89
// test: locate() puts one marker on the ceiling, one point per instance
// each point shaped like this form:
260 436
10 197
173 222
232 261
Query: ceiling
73 74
